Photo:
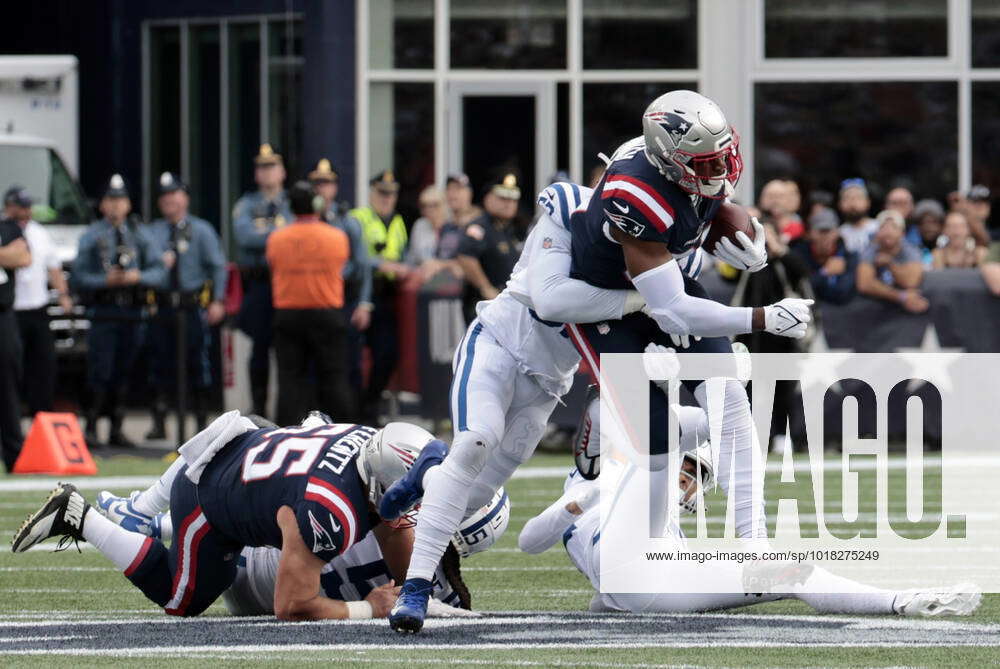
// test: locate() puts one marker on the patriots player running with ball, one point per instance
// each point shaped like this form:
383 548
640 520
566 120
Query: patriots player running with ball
309 490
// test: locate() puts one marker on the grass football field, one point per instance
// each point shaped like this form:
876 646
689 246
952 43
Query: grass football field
74 609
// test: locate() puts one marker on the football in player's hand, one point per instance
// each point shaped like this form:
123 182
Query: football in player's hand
730 219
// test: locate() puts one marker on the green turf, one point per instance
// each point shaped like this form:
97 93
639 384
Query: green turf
105 591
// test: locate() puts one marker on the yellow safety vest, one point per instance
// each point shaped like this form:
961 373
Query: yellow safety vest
392 240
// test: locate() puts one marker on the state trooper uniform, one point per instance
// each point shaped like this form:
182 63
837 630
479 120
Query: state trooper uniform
386 241
115 310
197 277
254 218
357 272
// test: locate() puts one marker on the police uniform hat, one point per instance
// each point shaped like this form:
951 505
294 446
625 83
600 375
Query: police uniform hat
506 187
116 187
385 181
18 196
266 156
324 172
170 182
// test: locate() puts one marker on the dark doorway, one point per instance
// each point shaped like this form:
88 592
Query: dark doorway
498 135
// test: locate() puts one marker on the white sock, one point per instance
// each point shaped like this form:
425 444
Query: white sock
741 467
115 543
842 595
166 528
446 495
156 498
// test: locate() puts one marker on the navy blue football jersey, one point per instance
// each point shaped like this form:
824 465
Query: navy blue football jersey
311 470
634 197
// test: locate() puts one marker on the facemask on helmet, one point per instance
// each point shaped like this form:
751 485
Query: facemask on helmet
689 141
388 455
484 527
696 476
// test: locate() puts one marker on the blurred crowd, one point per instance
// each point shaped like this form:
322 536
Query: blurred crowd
313 280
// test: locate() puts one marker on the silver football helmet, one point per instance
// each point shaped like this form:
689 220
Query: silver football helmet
484 527
689 141
387 456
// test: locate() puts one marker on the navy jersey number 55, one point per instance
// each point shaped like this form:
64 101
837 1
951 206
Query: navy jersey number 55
311 470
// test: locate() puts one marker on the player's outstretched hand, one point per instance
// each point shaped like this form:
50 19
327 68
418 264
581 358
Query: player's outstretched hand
382 598
752 257
788 318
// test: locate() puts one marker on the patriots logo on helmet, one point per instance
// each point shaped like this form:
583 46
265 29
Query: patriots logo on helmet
322 541
675 124
625 224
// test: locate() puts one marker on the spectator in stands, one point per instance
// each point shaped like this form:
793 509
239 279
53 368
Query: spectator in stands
458 191
890 268
832 266
853 203
901 199
434 240
976 207
490 246
928 222
780 201
959 248
307 261
991 268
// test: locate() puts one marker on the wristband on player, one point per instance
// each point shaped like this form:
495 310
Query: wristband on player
358 610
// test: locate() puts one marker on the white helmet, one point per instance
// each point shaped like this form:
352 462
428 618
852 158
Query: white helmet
388 455
484 527
702 478
691 144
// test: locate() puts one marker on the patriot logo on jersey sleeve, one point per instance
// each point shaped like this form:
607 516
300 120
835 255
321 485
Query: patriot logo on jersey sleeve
325 501
322 541
633 199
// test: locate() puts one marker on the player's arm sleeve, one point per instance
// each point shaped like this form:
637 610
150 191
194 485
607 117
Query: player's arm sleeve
676 312
548 527
557 297
636 209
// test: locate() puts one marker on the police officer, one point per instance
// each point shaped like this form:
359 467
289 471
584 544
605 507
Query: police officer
194 290
115 266
358 304
14 254
385 234
255 216
491 245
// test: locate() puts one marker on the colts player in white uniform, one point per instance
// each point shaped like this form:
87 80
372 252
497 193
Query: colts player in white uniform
575 518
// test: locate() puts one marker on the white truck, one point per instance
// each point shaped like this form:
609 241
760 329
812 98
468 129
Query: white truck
39 142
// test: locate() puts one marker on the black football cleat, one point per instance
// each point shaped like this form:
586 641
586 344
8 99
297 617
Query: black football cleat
62 515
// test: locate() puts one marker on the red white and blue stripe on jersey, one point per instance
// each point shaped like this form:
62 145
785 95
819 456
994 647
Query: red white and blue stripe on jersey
339 505
641 195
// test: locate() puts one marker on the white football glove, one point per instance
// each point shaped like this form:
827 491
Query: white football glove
744 363
661 365
788 318
752 257
683 341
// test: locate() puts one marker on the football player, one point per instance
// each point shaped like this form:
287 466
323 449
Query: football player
310 490
647 216
575 518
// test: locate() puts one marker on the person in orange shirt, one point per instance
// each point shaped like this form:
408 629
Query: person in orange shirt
307 260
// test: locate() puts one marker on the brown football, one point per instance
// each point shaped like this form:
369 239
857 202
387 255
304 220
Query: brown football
728 220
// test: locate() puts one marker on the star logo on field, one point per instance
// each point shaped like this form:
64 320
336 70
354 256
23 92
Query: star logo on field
930 362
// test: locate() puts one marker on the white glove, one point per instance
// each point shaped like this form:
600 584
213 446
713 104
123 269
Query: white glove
438 609
661 364
752 257
788 318
683 341
744 364
590 496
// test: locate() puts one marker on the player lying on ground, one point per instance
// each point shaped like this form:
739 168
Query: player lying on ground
575 518
312 491
350 576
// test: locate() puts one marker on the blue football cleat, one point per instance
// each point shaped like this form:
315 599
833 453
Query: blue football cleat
407 616
407 491
120 511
